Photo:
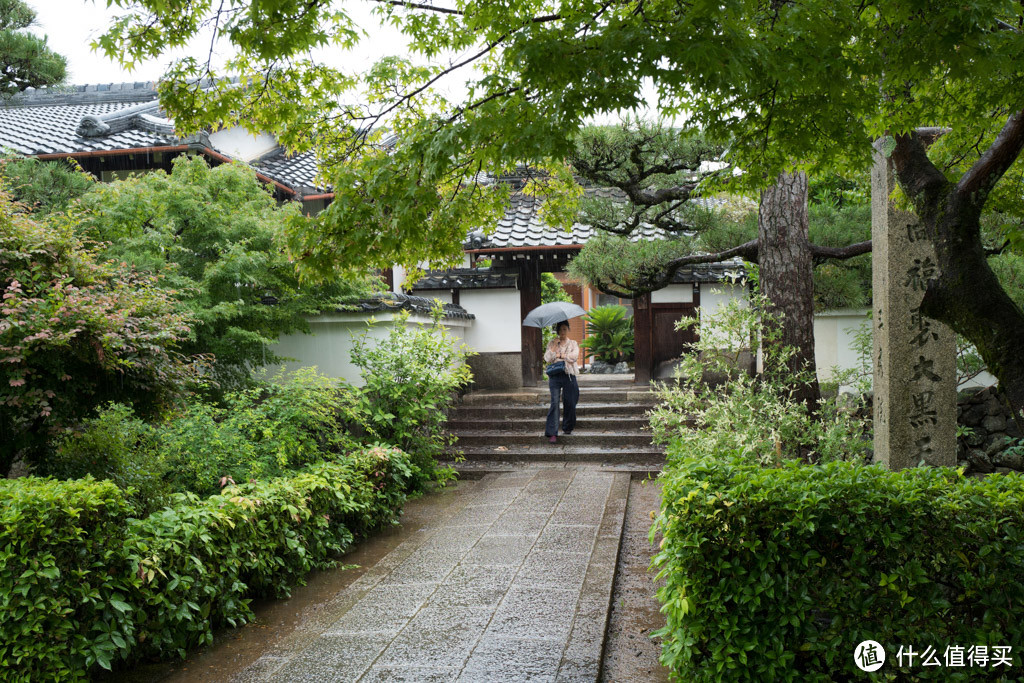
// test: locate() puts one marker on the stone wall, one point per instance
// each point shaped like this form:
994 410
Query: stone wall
993 431
501 370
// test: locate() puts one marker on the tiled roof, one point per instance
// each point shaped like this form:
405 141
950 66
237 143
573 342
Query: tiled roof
522 226
52 129
467 278
415 304
297 171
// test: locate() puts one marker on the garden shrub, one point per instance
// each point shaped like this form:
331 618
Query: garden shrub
260 432
82 584
757 417
609 334
63 597
778 573
196 564
118 446
410 380
76 333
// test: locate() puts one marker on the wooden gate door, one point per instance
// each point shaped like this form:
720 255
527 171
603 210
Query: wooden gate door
666 341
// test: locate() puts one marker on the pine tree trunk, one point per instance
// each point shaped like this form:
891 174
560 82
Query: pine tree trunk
786 265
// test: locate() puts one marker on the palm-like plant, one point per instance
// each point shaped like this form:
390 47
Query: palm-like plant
609 333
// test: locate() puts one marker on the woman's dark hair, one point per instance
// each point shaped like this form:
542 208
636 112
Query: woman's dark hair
558 325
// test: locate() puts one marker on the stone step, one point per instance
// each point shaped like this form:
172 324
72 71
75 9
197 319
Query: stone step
535 423
581 439
520 411
535 394
642 456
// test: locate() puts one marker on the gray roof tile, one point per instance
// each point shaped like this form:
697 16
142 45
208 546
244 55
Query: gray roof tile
466 278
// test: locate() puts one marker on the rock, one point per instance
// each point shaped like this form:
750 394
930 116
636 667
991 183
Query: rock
975 438
1012 430
621 368
974 414
997 443
994 423
979 460
995 406
967 395
1003 470
599 367
1013 459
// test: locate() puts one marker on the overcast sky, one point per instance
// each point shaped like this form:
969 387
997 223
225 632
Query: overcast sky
71 25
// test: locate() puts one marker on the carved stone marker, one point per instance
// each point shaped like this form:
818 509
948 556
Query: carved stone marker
915 356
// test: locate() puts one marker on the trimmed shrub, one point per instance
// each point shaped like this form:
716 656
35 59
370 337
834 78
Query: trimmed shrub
777 574
83 585
63 601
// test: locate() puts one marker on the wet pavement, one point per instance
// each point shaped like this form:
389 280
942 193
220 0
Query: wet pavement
511 581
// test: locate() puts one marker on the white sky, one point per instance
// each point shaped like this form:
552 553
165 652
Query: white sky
71 25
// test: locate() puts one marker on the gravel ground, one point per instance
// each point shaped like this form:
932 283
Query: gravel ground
630 653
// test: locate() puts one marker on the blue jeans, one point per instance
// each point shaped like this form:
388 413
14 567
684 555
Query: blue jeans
569 388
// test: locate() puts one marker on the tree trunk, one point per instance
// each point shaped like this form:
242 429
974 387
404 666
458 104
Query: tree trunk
969 298
786 275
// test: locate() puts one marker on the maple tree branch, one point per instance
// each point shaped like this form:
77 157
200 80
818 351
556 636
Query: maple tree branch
978 181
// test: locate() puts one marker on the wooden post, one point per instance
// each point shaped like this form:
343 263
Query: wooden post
643 351
529 299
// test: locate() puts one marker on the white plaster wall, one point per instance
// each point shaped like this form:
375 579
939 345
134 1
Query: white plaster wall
712 297
834 333
497 325
673 294
330 342
238 143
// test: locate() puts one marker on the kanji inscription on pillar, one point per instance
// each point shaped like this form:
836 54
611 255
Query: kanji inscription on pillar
915 356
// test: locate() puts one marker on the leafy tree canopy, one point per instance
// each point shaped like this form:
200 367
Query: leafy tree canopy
215 238
25 60
807 83
44 186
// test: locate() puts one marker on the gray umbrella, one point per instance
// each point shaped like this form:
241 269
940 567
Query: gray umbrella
552 313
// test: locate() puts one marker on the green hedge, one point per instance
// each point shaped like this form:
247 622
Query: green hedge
777 574
82 584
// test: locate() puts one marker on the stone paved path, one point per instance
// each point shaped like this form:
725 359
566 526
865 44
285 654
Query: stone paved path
512 584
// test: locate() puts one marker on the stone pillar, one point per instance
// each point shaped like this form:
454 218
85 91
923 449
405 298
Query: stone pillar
914 356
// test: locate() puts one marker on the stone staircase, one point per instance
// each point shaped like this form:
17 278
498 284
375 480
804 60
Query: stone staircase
496 429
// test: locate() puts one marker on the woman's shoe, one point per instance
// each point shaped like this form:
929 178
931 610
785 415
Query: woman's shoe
553 439
566 432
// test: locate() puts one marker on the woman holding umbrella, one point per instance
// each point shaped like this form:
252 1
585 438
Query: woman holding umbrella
562 354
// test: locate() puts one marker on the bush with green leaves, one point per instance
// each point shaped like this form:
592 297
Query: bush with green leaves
757 417
778 573
76 333
260 432
63 590
44 186
114 445
215 237
411 379
83 585
609 333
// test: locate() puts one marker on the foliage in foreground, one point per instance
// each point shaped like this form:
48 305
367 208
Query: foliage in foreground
75 333
84 584
778 573
757 417
410 379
